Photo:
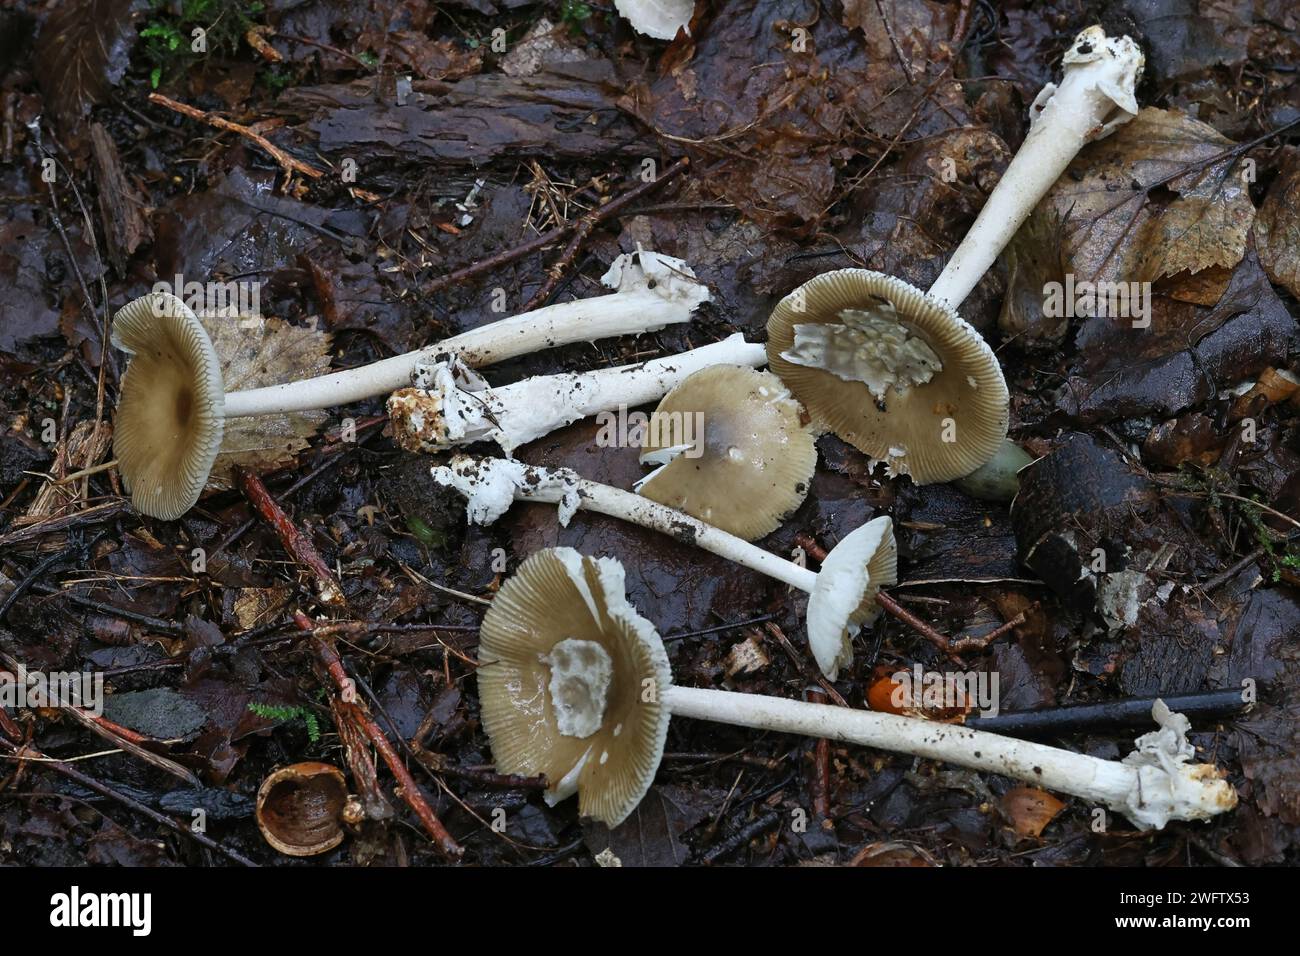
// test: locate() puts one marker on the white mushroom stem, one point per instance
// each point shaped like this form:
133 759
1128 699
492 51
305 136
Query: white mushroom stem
1095 96
1153 785
451 406
653 291
490 485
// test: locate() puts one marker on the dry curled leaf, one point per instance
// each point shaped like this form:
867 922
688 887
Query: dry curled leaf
254 355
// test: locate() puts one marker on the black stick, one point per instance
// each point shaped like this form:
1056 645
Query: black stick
1128 712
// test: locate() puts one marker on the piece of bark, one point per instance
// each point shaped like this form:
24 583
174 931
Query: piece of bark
125 226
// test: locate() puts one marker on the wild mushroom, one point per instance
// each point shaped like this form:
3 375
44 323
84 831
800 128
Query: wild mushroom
751 466
302 808
841 595
891 371
575 683
450 405
895 371
172 405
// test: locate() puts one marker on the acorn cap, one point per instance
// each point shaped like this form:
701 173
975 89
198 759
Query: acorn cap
752 461
892 371
570 682
844 597
170 406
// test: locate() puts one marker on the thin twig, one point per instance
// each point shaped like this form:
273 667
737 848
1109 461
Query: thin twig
294 541
407 788
288 163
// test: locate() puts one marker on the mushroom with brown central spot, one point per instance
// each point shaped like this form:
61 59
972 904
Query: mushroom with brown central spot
733 449
173 401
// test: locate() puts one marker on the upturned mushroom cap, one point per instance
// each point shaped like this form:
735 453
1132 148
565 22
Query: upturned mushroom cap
171 404
571 680
747 466
844 597
892 371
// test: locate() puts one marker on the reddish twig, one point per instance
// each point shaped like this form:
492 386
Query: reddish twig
288 163
295 542
357 753
407 788
819 779
554 235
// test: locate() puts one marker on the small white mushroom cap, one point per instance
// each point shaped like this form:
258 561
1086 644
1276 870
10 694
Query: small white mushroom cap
170 410
844 597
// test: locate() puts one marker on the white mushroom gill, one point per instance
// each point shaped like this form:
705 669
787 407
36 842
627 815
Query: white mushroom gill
873 346
581 672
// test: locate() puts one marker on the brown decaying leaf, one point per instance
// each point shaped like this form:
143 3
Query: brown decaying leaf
1029 810
651 836
83 50
1119 219
788 95
1277 228
252 357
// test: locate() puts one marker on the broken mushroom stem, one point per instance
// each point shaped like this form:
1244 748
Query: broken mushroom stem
1095 96
653 291
450 405
842 594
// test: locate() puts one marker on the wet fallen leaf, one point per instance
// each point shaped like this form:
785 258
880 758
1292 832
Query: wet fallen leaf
1029 810
256 352
652 835
1152 199
1277 228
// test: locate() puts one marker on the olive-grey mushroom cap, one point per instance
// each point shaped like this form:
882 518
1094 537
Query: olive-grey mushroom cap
751 463
571 683
170 410
892 371
844 597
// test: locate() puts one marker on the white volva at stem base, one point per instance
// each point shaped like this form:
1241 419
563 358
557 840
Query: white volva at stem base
1095 96
606 316
514 415
1150 792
